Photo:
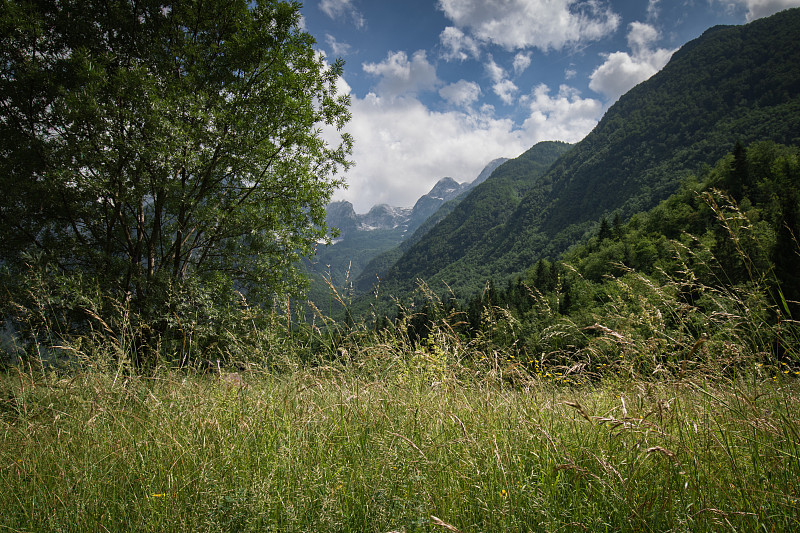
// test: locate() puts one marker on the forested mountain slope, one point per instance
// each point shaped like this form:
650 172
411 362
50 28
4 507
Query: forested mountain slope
376 239
685 273
734 83
474 220
381 263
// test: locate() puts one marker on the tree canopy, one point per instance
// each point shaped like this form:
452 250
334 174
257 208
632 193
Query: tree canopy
148 143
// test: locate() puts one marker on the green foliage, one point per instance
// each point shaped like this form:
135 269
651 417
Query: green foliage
471 224
692 284
734 83
155 150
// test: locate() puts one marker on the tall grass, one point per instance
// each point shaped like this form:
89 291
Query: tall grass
335 450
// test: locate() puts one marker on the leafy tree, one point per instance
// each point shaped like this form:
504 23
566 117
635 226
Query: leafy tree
147 144
739 176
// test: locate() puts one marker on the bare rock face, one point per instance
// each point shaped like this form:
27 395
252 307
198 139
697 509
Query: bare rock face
383 216
342 215
445 190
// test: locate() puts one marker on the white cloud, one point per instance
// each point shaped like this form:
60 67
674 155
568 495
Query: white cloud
337 48
503 87
399 75
622 71
618 74
640 36
457 45
521 62
762 8
402 147
342 9
463 93
565 117
506 90
495 71
544 24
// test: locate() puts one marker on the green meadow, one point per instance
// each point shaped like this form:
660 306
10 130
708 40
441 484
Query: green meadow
397 443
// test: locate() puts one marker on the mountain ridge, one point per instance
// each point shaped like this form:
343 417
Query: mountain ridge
733 83
476 214
363 237
341 214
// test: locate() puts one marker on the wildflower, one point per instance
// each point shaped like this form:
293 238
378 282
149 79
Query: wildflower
161 495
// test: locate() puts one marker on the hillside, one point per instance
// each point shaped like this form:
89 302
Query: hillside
734 83
380 264
472 222
372 241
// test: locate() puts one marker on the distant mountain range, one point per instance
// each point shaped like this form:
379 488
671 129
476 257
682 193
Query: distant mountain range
734 83
362 237
471 220
405 220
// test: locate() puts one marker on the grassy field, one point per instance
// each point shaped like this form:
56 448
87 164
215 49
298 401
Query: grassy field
346 449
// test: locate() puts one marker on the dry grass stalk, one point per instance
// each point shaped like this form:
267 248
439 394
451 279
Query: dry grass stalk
580 409
439 522
411 443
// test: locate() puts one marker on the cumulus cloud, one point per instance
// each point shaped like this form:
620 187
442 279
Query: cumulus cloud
543 24
495 71
402 148
502 87
506 90
521 62
399 75
342 9
621 71
640 36
463 93
457 45
565 116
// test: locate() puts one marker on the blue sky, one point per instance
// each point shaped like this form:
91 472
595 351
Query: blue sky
441 87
